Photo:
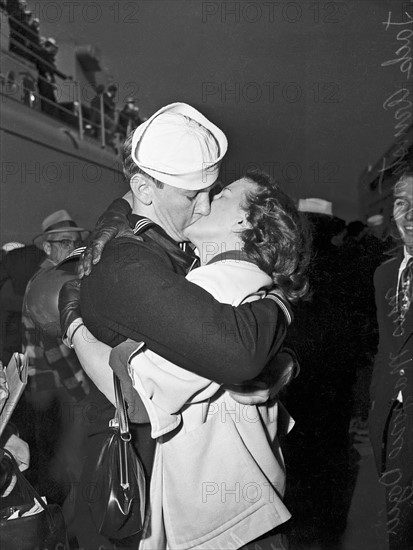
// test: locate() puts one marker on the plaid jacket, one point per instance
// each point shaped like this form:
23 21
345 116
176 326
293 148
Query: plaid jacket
51 363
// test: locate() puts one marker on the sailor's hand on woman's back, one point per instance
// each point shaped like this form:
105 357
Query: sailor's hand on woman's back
112 223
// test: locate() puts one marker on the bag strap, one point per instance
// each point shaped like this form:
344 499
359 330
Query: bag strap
124 433
121 413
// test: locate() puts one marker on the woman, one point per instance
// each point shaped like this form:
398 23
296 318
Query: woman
252 240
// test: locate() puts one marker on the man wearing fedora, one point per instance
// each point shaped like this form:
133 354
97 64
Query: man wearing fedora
56 380
138 289
59 237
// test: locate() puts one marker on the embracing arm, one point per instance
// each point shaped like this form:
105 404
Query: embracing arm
112 223
146 301
99 361
93 356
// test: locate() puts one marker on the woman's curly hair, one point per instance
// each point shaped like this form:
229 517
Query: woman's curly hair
279 239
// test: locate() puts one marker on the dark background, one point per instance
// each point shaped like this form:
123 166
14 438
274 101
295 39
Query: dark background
297 86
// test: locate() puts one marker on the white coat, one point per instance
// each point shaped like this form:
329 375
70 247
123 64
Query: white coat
218 476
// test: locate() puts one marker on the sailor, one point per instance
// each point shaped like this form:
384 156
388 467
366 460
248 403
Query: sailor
138 289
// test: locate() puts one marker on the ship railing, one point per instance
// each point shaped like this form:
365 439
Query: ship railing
73 116
89 122
26 28
29 53
25 90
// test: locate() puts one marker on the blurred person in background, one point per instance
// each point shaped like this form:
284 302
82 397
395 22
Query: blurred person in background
46 83
323 334
129 118
95 110
18 264
391 415
56 383
109 109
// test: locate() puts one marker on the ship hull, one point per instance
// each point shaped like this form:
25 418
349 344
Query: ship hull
46 167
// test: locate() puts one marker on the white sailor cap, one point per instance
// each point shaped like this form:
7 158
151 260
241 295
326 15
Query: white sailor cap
180 147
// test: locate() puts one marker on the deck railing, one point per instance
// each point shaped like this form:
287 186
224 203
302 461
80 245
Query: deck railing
24 88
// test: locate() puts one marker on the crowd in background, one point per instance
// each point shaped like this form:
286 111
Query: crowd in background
103 106
335 337
335 331
27 43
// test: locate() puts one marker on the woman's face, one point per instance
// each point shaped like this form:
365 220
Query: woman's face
227 216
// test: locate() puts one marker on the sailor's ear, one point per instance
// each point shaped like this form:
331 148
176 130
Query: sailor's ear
142 188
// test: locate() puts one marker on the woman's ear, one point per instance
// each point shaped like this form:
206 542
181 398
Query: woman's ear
242 222
141 189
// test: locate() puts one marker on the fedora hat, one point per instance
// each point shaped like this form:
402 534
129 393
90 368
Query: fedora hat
179 146
376 220
13 245
58 222
315 206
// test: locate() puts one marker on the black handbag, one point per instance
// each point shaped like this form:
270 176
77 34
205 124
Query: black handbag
118 503
45 530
